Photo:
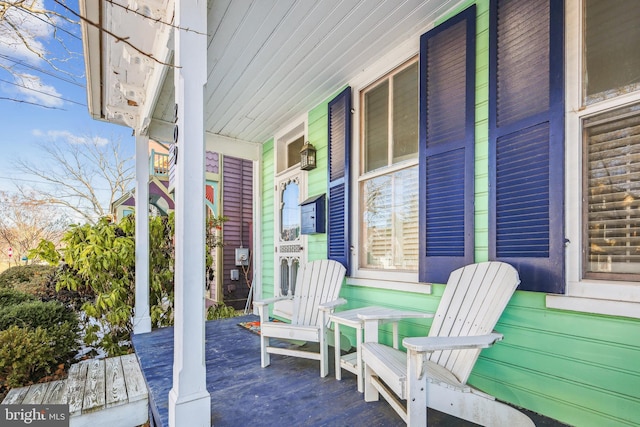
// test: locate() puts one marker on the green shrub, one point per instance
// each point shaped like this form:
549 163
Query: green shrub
60 323
25 356
220 311
11 297
35 338
40 282
31 314
31 279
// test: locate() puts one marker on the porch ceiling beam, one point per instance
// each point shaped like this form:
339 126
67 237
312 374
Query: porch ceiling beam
160 130
233 147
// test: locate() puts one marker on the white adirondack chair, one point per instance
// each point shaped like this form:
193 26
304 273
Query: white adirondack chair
316 295
434 371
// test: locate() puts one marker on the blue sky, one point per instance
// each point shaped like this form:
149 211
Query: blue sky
25 125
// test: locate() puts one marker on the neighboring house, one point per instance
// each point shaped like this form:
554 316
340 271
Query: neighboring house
447 132
228 191
160 199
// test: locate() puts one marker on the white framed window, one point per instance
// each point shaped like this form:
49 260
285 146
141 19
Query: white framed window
388 180
602 196
288 146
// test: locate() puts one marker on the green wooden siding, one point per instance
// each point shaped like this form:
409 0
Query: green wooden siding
317 178
268 193
579 368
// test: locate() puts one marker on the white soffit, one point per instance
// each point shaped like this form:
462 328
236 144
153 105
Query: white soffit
268 60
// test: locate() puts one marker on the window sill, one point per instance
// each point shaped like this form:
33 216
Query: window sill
619 299
418 288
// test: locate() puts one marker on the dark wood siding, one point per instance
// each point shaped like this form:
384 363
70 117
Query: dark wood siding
237 205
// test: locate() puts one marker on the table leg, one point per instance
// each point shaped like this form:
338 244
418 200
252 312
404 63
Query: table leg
336 343
359 367
395 335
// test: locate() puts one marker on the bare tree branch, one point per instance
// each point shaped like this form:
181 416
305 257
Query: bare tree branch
23 223
83 176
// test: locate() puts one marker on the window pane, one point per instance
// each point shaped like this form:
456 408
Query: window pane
390 221
405 114
293 151
612 47
376 123
612 142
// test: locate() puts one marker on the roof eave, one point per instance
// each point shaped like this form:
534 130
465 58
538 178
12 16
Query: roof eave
90 25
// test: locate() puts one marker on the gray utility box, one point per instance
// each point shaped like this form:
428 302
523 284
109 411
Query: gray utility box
312 212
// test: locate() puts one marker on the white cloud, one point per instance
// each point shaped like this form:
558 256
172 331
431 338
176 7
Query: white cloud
34 90
65 135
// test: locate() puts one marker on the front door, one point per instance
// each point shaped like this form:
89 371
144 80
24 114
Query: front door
289 244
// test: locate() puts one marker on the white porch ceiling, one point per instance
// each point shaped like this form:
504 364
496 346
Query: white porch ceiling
269 61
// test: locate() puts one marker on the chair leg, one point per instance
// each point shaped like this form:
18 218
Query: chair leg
324 347
265 358
416 392
371 394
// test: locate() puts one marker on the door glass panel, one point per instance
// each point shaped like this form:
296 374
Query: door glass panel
290 213
284 277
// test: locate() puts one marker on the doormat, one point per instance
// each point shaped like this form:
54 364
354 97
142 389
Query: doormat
255 326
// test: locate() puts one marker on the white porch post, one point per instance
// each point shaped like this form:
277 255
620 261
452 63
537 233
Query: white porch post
141 319
189 401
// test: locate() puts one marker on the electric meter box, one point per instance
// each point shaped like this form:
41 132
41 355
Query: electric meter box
312 213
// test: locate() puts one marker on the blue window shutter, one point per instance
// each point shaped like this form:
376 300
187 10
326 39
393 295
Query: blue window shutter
338 242
447 136
526 141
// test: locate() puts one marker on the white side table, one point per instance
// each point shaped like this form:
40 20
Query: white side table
352 362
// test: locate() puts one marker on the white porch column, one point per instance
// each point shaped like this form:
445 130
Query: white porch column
189 401
141 318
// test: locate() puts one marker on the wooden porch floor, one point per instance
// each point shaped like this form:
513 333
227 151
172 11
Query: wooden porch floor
289 392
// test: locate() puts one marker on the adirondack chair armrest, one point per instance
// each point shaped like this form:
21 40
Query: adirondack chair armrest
263 306
430 344
269 301
330 305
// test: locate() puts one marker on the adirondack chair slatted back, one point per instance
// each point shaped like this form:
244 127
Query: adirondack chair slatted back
317 282
474 299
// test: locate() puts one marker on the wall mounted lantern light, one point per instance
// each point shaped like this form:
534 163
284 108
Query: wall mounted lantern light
307 157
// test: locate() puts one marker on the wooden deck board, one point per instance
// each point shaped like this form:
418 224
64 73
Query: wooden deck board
94 395
15 396
136 387
115 388
57 393
96 392
36 393
75 387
